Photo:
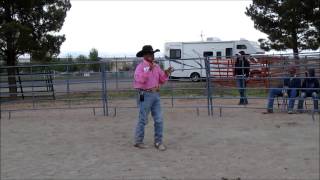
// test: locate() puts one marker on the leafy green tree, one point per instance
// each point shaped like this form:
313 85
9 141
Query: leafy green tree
312 9
94 56
29 27
289 24
82 59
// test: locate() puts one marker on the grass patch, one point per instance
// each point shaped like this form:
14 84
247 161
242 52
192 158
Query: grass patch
235 92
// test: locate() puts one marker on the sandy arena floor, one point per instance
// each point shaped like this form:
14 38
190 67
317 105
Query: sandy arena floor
74 144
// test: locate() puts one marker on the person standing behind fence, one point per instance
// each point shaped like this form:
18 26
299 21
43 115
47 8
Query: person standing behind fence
310 88
241 72
148 77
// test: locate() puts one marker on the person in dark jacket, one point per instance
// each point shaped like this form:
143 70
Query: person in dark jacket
289 89
241 72
310 88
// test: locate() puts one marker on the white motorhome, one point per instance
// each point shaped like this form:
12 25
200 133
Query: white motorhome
187 57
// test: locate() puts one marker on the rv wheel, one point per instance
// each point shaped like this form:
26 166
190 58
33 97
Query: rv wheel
195 77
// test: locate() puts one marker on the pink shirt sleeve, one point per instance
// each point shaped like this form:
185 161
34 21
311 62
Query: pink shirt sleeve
140 75
162 76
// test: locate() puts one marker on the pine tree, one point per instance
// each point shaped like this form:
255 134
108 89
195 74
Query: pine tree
289 24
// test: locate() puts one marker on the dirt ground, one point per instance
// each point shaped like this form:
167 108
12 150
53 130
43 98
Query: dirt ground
243 143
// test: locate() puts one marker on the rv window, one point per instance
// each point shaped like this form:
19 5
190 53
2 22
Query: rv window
207 54
175 53
241 46
218 54
228 52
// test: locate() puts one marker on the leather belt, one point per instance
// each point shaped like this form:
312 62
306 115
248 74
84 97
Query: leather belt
150 90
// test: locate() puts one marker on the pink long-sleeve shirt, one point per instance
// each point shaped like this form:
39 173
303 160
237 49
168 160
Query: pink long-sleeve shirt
144 78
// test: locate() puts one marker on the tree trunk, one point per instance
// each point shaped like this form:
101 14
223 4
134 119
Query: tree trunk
10 54
12 82
296 54
296 62
295 47
296 51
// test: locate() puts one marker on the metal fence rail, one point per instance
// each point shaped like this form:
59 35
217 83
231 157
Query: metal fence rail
68 84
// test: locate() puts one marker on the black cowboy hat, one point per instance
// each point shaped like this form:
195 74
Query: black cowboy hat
147 49
242 53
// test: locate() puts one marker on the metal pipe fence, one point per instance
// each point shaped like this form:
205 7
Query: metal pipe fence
98 85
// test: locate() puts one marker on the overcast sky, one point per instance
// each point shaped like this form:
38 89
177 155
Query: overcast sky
121 28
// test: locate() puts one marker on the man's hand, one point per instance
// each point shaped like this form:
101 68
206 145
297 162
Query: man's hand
169 71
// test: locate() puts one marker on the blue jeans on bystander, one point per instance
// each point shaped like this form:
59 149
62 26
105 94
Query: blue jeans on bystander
241 84
278 92
315 98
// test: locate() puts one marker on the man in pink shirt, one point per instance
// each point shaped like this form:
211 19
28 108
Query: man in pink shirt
148 77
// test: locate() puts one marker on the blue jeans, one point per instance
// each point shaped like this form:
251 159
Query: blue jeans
241 84
278 92
314 96
151 103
